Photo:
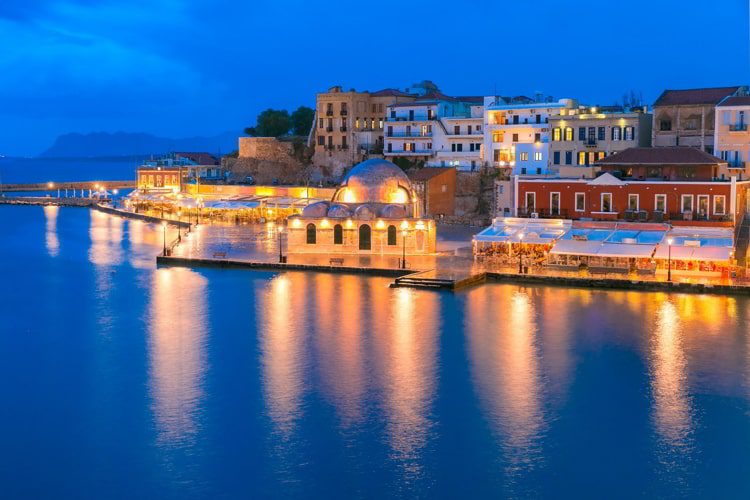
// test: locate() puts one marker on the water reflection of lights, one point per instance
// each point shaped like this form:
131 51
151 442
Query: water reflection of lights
51 240
106 239
672 410
406 353
282 346
177 339
505 363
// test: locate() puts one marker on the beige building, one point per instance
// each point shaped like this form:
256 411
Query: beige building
731 136
375 211
686 117
349 126
579 137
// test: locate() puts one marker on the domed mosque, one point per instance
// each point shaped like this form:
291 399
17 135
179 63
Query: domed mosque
374 211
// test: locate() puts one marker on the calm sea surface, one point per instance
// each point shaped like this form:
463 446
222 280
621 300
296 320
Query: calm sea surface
120 380
27 170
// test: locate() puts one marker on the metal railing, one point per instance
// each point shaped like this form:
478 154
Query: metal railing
408 134
738 127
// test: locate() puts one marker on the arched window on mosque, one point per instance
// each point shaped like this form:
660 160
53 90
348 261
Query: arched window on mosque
338 235
311 234
392 235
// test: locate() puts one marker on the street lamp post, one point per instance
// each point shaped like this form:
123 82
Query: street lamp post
179 219
520 256
669 259
403 250
164 238
279 230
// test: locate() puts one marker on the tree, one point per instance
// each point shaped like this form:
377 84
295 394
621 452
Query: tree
302 120
271 123
632 99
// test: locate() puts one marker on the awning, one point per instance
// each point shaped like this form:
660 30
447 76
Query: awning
576 247
703 254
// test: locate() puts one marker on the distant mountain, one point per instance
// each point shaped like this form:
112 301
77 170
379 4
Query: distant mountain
125 144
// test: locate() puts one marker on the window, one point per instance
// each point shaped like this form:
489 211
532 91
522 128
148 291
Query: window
311 234
320 122
556 158
537 137
569 157
665 125
497 136
338 235
633 202
457 129
568 133
581 133
606 202
719 205
580 202
554 203
392 235
703 204
524 156
629 133
538 156
407 146
365 237
600 155
686 203
321 140
515 137
602 133
660 203
582 157
530 201
390 147
616 133
556 134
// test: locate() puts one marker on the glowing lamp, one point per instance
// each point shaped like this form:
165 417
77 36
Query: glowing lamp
380 224
669 241
420 224
349 223
324 223
404 225
50 185
296 222
349 196
399 196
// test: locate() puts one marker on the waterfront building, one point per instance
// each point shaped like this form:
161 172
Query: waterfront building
582 136
166 179
436 130
687 117
517 133
676 184
348 126
436 189
375 211
731 137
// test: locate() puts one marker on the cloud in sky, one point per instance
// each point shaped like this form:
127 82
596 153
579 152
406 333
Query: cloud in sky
179 67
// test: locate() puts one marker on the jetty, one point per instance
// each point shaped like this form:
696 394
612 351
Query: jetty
62 186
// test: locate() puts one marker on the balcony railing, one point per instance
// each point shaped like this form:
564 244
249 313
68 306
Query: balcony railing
329 128
736 164
344 112
542 213
343 128
411 152
329 112
408 134
589 142
414 118
738 127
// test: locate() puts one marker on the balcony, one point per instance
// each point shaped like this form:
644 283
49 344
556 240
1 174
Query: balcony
736 164
343 128
415 152
738 127
409 134
329 112
458 154
344 112
589 142
414 118
329 128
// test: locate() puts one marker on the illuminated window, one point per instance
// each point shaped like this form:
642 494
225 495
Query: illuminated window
538 156
568 133
524 156
581 157
600 155
391 235
556 134
338 234
356 123
719 205
497 136
616 133
660 203
311 234
633 202
629 133
606 202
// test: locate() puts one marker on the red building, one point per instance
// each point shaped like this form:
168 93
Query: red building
644 184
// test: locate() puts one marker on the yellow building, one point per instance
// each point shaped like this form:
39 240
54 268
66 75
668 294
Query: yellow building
374 211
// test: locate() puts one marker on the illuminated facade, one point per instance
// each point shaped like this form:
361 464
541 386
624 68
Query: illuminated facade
731 136
374 211
516 133
162 179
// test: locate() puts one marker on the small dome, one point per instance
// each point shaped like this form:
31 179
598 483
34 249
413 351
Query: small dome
375 181
364 212
317 209
393 212
338 211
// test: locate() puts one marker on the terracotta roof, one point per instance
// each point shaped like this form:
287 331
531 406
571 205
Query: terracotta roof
694 96
199 158
391 93
427 173
675 155
736 100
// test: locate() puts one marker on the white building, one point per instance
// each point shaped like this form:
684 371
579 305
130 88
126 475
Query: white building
438 130
516 133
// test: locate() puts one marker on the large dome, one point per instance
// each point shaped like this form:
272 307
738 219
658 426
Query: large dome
375 181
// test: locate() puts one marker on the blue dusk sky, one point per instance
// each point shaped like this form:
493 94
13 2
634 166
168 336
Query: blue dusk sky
178 68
